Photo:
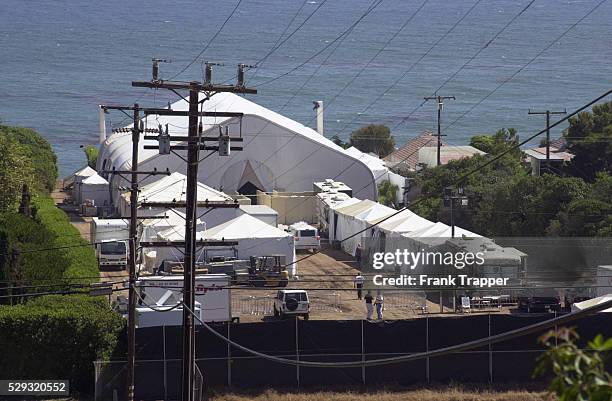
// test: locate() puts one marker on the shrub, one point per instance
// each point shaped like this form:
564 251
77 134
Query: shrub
58 337
91 152
35 148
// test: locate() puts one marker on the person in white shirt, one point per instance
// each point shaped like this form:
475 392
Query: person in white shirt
379 303
359 280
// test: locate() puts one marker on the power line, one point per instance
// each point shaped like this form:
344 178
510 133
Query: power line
508 335
510 22
405 73
209 42
505 81
462 177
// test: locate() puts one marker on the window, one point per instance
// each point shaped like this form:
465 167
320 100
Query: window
113 248
308 233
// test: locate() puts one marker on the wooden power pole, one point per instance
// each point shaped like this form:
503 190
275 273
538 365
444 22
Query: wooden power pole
548 114
440 101
194 144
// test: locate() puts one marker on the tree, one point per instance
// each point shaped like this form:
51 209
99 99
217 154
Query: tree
40 154
91 152
387 193
580 374
373 139
336 139
589 138
501 141
16 169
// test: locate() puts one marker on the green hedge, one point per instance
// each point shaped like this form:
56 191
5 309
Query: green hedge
81 258
58 337
66 254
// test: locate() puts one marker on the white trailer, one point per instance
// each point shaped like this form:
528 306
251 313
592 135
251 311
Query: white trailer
109 239
212 292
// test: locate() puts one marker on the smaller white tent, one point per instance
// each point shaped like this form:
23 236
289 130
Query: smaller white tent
404 222
262 212
332 216
578 306
94 188
75 180
354 220
163 221
172 188
256 238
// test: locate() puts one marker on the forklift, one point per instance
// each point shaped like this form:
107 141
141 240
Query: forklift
267 271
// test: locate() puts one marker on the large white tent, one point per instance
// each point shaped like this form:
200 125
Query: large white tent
332 217
94 188
256 238
172 188
279 153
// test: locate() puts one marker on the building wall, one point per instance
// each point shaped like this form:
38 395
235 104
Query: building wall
290 206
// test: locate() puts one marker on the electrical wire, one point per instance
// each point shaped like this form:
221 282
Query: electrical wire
508 335
505 81
469 173
209 42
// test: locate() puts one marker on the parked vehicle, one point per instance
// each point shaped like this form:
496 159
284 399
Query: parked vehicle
306 236
292 303
107 236
268 271
539 304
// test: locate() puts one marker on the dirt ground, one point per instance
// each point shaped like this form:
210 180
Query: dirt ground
327 276
81 223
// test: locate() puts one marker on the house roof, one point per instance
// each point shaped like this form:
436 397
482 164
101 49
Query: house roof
555 154
408 155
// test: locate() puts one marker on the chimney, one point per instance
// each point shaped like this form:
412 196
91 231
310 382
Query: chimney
102 124
318 106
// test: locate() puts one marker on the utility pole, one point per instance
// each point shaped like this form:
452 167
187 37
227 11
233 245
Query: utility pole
440 100
133 172
548 114
194 144
450 196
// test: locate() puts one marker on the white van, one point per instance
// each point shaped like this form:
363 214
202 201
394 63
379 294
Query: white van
305 236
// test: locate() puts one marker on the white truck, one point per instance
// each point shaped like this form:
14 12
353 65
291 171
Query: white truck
212 293
109 239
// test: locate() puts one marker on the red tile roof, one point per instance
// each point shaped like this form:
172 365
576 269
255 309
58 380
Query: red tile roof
408 154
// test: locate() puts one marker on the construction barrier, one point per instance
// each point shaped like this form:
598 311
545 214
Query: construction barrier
158 363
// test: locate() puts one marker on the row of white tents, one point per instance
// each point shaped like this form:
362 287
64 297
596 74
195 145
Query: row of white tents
380 228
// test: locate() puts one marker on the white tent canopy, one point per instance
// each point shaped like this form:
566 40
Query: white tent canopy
353 221
94 188
279 153
256 238
172 188
404 222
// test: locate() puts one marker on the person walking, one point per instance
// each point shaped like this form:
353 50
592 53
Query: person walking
359 280
368 301
358 254
379 303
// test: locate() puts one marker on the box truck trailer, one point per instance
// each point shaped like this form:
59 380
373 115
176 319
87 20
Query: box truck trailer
109 239
212 293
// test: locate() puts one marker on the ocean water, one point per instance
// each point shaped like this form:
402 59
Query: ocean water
59 59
